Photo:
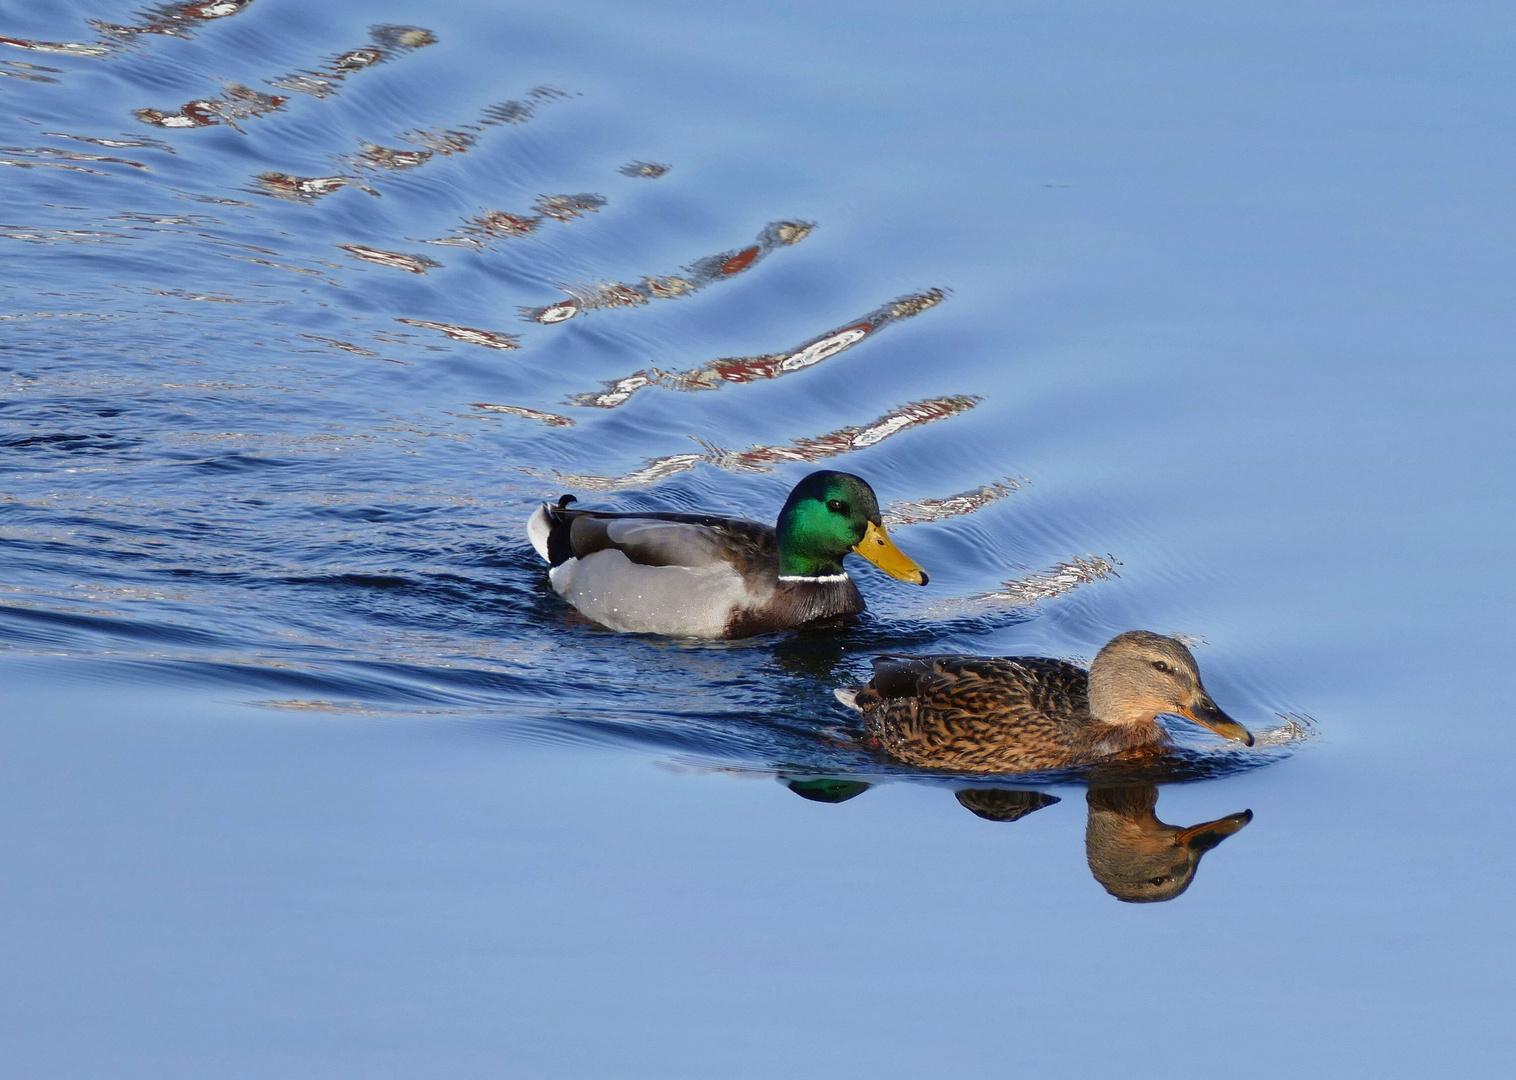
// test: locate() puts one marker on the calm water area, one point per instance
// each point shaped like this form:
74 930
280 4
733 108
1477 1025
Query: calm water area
1188 317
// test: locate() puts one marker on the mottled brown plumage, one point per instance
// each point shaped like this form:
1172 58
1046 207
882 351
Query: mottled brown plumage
1027 713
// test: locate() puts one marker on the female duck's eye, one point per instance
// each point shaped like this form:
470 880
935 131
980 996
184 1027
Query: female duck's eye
1161 666
1157 881
836 506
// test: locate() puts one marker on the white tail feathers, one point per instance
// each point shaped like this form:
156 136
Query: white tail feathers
848 695
537 528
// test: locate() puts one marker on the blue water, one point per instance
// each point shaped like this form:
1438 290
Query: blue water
1204 313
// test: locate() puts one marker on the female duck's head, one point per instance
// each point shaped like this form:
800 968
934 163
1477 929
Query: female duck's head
1140 675
828 515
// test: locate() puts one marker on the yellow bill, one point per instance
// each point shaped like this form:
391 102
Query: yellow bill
877 547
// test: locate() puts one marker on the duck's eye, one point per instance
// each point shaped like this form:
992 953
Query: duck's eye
1157 881
836 506
1162 666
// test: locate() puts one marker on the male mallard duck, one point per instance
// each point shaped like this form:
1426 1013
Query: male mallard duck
695 575
1138 858
1021 713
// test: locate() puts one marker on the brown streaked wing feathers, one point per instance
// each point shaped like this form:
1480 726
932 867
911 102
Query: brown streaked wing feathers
977 713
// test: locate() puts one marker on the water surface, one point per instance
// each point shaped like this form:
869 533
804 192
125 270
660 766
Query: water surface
1173 318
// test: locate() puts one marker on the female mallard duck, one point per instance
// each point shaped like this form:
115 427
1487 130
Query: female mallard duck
1022 713
695 575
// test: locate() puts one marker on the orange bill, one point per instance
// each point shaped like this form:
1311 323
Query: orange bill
877 547
1206 713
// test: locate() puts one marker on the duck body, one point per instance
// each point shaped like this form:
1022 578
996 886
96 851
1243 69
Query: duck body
984 714
682 575
704 576
1001 714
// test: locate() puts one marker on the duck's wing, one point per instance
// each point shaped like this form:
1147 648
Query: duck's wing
974 713
981 685
692 540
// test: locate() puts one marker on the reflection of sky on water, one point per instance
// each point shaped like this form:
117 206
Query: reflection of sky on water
1233 287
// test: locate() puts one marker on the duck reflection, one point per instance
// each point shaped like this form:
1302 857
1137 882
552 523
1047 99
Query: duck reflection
1138 858
1000 804
1134 856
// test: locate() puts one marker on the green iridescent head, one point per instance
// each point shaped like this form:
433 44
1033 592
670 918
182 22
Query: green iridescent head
830 514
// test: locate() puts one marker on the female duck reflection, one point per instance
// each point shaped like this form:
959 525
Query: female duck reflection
1136 857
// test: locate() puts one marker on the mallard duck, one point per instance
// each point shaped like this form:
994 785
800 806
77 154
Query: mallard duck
701 576
1022 713
1138 858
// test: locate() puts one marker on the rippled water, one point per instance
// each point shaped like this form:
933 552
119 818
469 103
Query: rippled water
1183 319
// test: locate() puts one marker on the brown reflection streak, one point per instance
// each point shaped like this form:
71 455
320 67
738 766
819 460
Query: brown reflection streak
449 141
586 297
411 264
372 157
965 502
238 102
345 346
147 143
61 48
305 188
490 339
20 69
27 156
174 20
1065 577
649 170
551 419
132 226
311 271
753 368
762 458
480 232
50 236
